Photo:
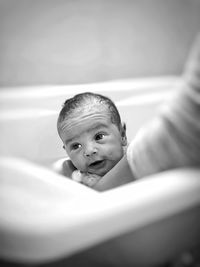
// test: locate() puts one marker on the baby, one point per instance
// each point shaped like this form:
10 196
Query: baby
93 136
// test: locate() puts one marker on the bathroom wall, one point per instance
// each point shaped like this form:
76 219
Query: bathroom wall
83 41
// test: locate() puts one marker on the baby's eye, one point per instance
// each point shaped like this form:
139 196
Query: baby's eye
99 136
75 146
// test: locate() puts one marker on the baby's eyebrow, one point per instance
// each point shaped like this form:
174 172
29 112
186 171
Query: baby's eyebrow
69 140
98 126
95 127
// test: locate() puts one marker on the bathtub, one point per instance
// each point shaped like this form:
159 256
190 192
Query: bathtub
49 219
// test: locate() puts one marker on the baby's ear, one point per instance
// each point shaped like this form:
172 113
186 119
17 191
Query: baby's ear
123 134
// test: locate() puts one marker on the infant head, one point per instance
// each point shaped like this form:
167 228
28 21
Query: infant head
92 133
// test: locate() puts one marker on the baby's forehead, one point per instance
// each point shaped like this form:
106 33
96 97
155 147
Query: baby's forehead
91 105
87 115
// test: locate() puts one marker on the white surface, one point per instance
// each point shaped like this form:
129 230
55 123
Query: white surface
44 216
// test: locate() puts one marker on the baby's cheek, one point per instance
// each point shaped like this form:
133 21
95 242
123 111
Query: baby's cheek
75 159
79 163
116 153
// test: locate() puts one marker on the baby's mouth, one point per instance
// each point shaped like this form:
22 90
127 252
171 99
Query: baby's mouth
97 164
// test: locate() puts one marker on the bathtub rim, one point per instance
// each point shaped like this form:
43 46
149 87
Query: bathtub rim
173 198
44 91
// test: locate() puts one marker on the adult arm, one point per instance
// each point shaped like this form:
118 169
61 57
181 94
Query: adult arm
120 174
172 139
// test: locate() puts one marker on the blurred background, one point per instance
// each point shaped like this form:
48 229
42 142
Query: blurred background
83 41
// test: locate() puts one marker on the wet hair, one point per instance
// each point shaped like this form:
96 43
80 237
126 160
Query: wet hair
73 104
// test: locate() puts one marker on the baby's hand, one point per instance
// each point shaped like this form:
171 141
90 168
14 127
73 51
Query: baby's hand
90 179
85 178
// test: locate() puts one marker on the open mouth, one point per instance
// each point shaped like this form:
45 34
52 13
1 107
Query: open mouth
97 164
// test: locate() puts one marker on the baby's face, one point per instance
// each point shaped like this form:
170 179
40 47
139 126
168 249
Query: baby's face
93 143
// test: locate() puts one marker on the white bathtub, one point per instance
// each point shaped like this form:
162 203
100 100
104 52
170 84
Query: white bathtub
46 218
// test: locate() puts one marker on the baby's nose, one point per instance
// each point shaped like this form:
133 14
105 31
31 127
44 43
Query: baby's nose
90 150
